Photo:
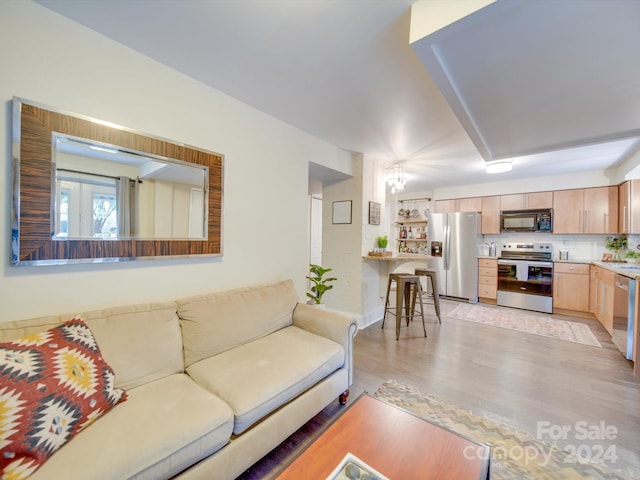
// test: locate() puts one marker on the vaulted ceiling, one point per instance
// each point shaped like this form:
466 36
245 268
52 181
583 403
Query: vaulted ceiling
554 83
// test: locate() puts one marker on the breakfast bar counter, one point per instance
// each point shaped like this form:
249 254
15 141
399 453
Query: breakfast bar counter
399 257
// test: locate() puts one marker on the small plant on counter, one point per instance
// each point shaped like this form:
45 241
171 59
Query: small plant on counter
382 242
633 256
616 244
320 284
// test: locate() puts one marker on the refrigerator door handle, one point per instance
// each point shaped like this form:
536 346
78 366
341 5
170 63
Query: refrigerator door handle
445 247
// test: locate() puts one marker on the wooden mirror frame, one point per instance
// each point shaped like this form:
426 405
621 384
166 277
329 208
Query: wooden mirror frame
31 212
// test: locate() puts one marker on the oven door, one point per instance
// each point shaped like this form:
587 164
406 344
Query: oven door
525 276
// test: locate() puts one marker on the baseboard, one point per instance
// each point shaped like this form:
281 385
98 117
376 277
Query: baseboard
574 313
370 318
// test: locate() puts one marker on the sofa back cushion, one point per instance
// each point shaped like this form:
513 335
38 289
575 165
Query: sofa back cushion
215 322
141 342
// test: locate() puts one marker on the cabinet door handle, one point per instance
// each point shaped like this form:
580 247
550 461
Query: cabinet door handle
586 221
580 221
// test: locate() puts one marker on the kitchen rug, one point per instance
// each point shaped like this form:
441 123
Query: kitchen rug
515 455
528 323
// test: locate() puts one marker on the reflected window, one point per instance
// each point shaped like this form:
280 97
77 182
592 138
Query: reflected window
105 220
86 208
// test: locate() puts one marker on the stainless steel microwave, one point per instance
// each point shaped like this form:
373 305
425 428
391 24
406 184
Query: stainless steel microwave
527 221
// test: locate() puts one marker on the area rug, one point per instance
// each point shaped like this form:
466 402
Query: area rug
528 323
515 455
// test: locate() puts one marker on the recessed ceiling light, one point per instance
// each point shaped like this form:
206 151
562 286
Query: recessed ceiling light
499 166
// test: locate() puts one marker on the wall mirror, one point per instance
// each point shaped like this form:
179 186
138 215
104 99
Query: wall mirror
88 191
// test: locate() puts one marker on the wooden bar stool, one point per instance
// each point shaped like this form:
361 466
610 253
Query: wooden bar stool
407 287
432 275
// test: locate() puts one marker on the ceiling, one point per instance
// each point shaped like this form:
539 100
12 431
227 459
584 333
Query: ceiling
555 84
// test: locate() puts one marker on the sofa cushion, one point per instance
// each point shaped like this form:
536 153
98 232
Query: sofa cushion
53 384
258 377
216 322
141 342
164 427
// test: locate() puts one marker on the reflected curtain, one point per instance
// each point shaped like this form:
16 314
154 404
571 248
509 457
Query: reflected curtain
127 202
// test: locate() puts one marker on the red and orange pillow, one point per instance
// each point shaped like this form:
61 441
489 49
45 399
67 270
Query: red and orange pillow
52 385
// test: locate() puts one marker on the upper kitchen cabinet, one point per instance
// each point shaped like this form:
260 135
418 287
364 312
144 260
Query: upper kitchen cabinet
491 215
526 201
445 206
586 210
472 204
629 207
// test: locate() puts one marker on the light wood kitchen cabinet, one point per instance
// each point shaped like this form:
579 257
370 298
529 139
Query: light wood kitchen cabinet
526 201
571 286
445 206
602 286
487 279
471 204
586 210
491 215
629 207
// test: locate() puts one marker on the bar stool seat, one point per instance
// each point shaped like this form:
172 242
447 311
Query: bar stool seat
431 275
408 286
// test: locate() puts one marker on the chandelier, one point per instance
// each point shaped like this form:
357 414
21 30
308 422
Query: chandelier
396 178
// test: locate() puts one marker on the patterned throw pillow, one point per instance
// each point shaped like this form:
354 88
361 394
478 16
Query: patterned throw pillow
53 384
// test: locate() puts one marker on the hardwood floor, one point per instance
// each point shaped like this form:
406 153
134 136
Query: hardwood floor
509 377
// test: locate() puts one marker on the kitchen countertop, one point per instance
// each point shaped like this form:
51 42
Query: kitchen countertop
631 270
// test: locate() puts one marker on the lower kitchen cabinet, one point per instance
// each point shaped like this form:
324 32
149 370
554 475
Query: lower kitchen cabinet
487 279
601 301
571 286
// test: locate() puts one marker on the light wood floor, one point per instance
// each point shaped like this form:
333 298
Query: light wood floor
507 376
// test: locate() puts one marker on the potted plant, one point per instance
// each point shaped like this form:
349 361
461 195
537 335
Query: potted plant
382 243
616 244
633 256
320 283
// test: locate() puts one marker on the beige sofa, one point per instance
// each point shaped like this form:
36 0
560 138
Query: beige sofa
214 382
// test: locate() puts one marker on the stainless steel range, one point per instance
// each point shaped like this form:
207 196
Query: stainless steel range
525 276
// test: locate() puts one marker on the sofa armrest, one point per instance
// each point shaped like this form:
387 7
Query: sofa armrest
337 326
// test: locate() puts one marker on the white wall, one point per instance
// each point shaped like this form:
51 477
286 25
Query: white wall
342 243
51 60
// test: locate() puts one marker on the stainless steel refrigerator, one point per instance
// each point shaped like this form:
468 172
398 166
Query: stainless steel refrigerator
453 240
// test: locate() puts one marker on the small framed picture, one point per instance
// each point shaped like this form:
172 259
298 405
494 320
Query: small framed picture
341 212
607 257
374 213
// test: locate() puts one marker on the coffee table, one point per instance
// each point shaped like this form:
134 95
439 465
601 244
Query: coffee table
396 443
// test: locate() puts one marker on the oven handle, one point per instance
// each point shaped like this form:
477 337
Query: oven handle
530 263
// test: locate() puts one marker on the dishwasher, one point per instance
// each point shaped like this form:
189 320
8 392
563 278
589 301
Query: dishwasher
623 313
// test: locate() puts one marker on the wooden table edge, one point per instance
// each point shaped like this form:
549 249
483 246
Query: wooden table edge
486 464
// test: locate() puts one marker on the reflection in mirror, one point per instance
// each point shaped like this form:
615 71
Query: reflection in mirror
103 191
135 196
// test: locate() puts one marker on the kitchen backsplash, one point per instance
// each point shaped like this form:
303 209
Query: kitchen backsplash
580 247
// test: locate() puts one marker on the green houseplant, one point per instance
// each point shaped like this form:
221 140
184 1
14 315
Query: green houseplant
320 284
616 244
382 242
633 256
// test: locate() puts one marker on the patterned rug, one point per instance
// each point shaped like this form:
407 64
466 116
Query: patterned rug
515 455
528 323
